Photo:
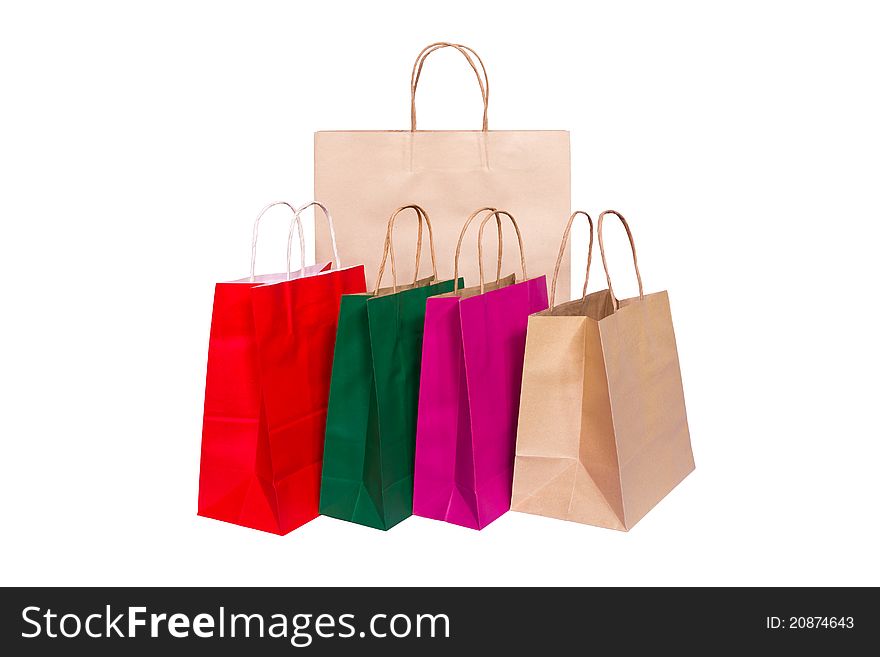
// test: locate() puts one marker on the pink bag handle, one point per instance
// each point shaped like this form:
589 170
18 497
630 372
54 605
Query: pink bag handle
389 247
466 52
632 246
461 239
562 253
302 242
522 254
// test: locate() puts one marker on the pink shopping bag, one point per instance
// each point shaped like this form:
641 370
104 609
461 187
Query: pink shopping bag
472 359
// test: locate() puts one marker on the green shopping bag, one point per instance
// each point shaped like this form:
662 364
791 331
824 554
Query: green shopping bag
369 445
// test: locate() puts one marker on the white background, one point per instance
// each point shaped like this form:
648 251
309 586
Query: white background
138 141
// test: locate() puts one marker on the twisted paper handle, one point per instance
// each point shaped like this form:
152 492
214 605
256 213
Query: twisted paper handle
389 247
562 253
522 254
632 246
466 52
326 212
461 239
302 243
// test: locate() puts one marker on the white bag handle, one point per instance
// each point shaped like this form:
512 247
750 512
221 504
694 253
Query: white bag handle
302 242
329 225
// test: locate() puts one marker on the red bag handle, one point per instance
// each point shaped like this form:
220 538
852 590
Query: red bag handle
326 212
302 242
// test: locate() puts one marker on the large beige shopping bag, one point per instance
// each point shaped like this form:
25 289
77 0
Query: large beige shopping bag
363 175
603 433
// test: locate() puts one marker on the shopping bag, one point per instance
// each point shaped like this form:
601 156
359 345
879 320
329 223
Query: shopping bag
603 433
469 395
371 419
361 173
269 359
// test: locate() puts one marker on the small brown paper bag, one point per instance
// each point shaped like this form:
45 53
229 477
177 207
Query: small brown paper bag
603 432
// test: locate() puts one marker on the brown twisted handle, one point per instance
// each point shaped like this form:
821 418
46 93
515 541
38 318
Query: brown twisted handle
389 247
632 246
522 253
461 239
562 253
497 215
466 52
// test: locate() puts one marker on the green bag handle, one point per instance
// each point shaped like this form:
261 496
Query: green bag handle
461 238
389 248
562 253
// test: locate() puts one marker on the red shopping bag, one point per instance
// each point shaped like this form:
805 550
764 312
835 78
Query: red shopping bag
269 359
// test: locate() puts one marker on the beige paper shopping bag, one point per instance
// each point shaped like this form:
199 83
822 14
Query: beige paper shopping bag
363 175
603 432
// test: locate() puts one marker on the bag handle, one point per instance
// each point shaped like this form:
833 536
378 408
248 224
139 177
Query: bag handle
461 239
632 246
562 253
466 52
302 242
522 254
326 212
389 247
